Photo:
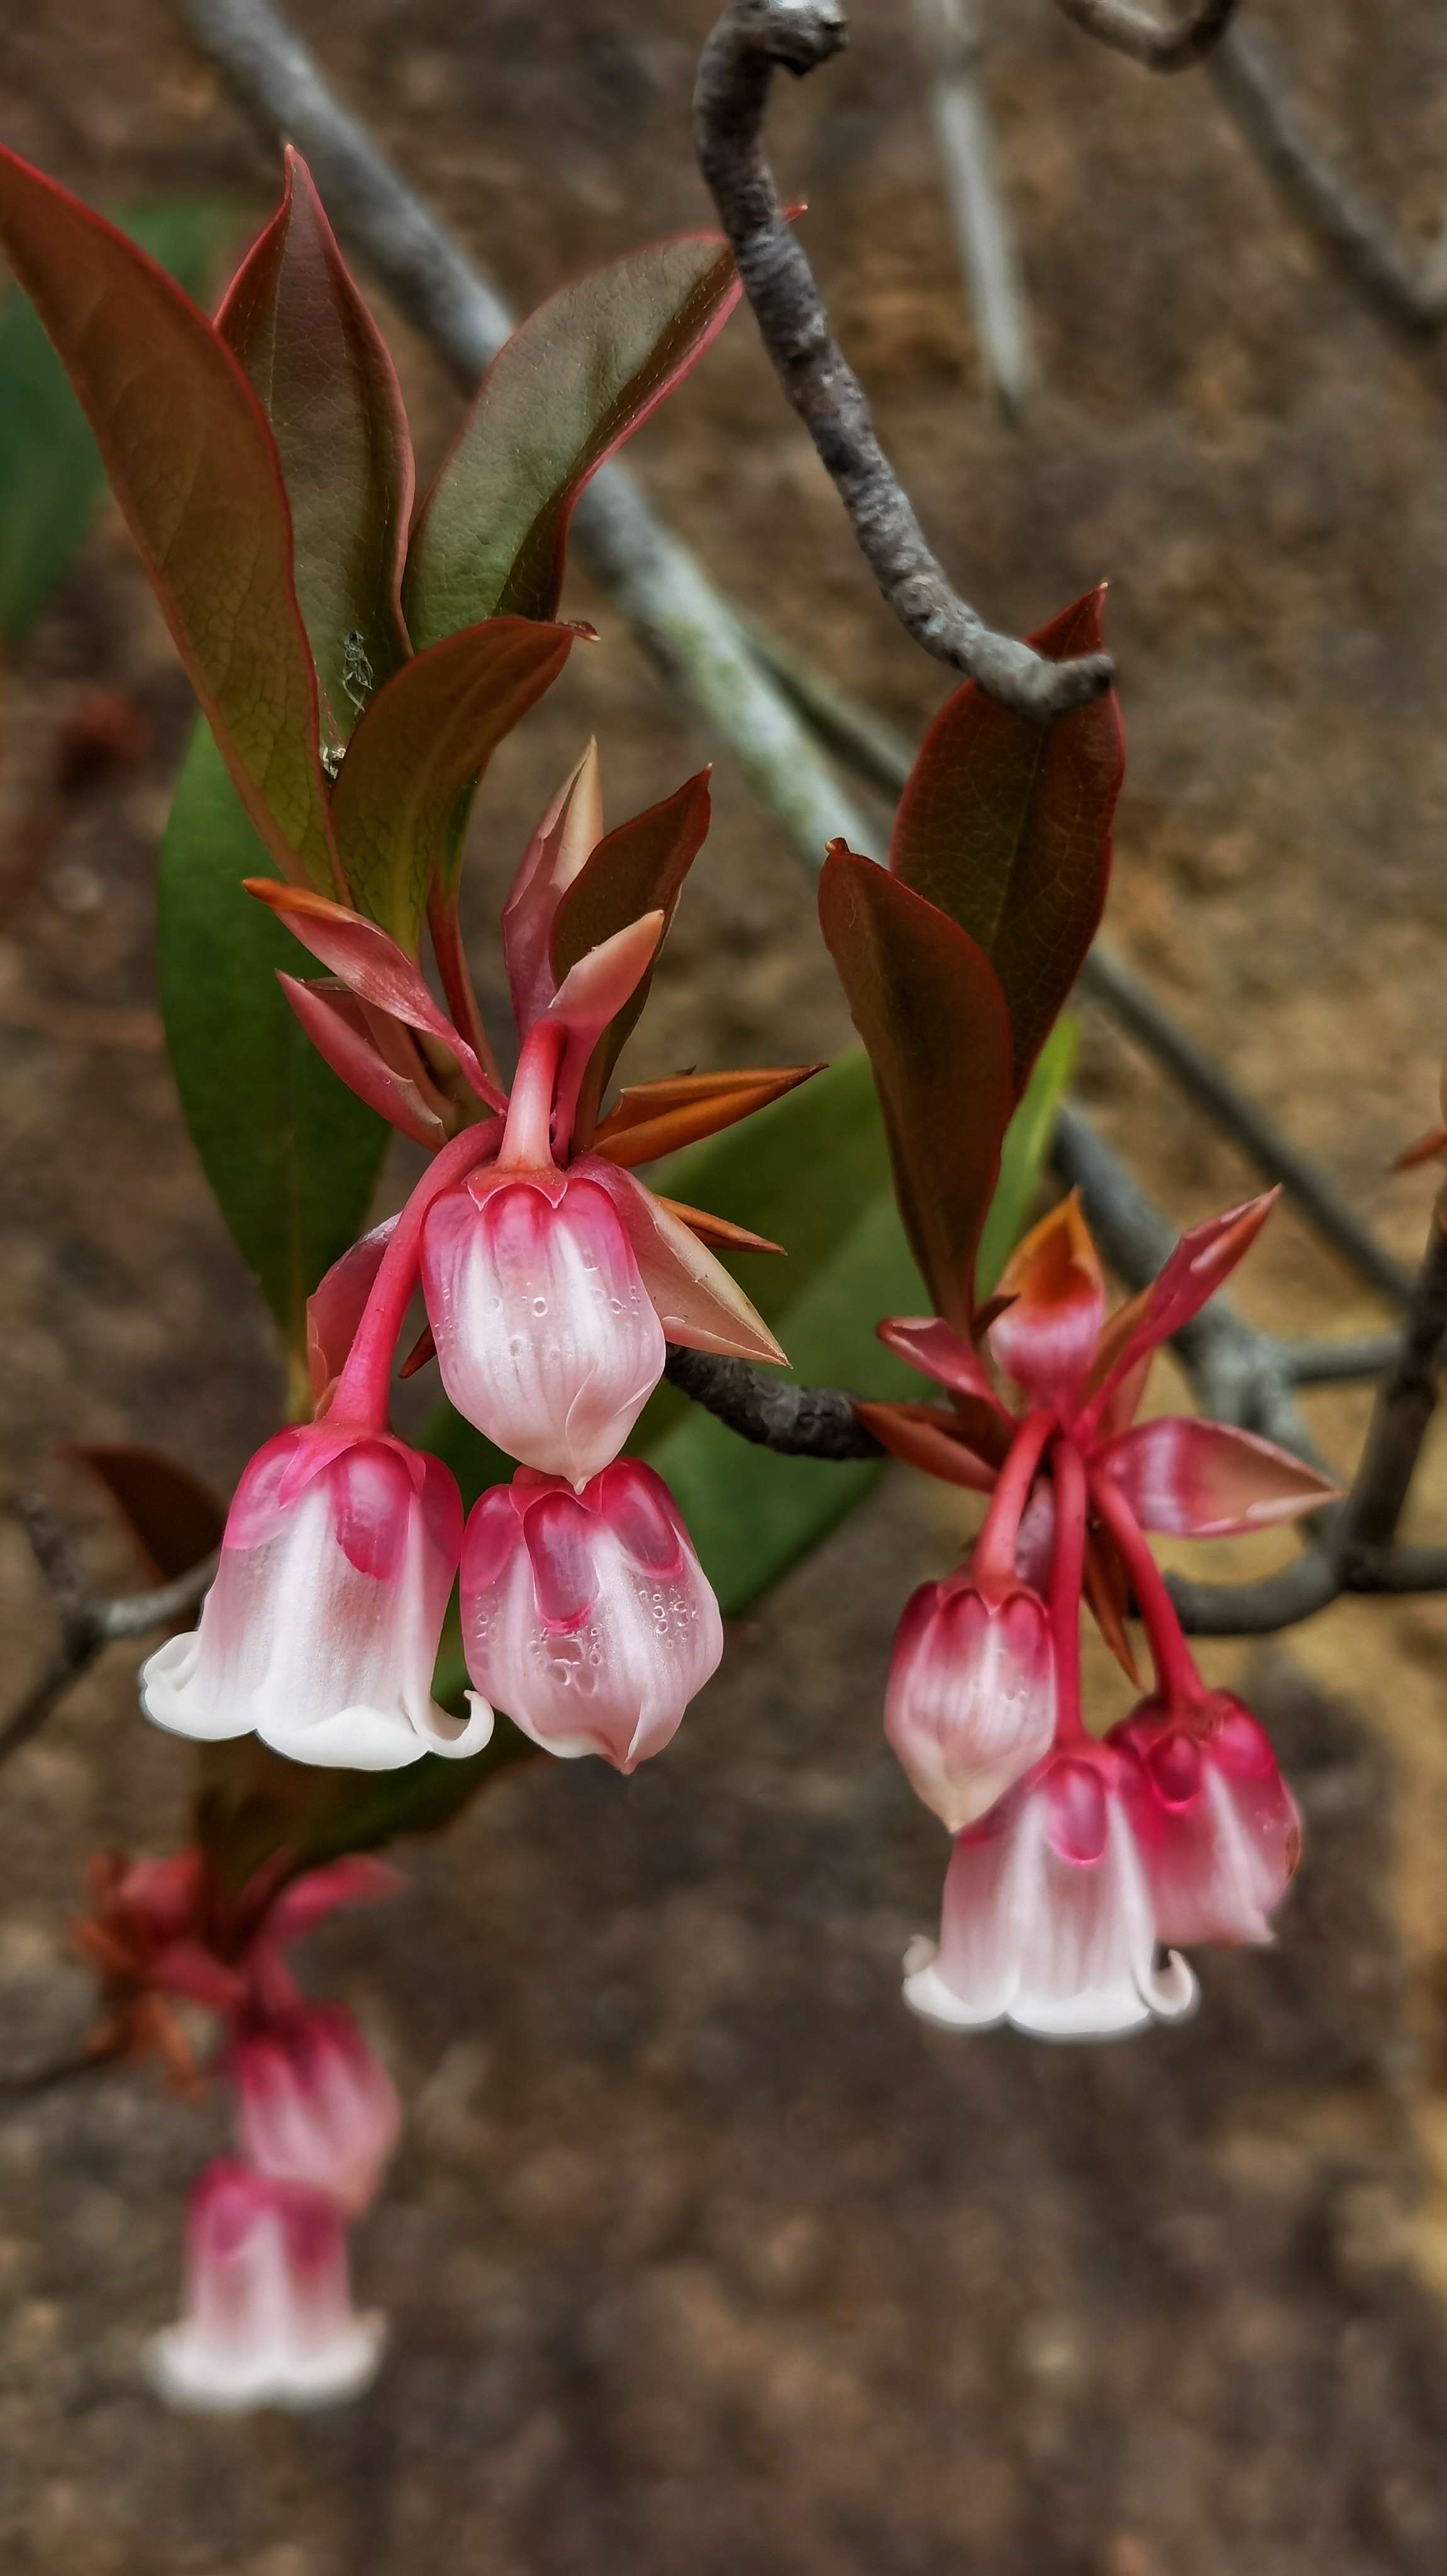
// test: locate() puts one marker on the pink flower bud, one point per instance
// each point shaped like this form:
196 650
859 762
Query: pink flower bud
1218 1827
314 2105
971 1697
546 1336
587 1616
1047 1920
321 1628
268 2314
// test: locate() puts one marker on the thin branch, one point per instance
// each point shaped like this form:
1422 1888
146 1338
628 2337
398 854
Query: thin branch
1204 1081
689 629
1406 1402
89 1620
1407 290
795 1421
1343 1363
951 38
751 41
1128 30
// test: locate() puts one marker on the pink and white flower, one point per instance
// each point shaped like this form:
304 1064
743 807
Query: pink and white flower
587 1616
320 1631
1048 1921
970 1703
1220 1834
268 2318
314 2104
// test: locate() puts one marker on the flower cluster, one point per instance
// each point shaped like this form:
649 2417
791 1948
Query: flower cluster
552 1282
267 2314
1079 1861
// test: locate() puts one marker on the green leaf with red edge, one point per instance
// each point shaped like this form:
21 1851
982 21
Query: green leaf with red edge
638 869
405 787
319 366
928 1006
194 468
569 386
1006 826
173 1517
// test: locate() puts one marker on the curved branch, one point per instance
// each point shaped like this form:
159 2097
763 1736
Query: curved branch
752 40
796 1421
1132 31
89 1620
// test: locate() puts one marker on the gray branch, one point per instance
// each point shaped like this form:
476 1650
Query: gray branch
752 40
795 1421
89 1620
951 40
1162 48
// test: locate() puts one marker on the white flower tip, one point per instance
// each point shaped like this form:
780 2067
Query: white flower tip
188 2372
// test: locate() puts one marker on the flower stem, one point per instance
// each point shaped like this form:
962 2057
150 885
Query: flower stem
1176 1676
527 1138
360 1401
993 1561
1067 1574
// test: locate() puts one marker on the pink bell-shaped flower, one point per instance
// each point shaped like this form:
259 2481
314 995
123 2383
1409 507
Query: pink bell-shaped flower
314 2105
1048 1920
546 1336
970 1703
268 2314
1218 1829
320 1631
587 1616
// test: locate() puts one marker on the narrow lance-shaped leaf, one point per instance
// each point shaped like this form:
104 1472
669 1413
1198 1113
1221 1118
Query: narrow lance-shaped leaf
640 868
320 369
404 789
292 1157
1006 826
929 1009
51 475
568 388
194 468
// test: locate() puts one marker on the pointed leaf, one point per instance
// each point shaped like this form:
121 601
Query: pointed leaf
569 386
592 995
718 1231
320 369
404 790
173 1517
292 1157
925 1436
371 965
927 1004
653 1118
336 1023
1045 1338
194 468
1195 1479
696 1300
51 475
568 829
1007 827
1201 1262
638 869
940 1353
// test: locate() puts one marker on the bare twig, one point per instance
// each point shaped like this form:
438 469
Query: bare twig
1405 289
690 630
1128 30
796 1421
1337 1363
751 41
1405 1405
951 40
89 1620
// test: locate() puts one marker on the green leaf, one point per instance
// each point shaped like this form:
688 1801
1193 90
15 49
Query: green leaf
568 387
292 1157
1006 826
1027 1142
321 372
51 475
193 465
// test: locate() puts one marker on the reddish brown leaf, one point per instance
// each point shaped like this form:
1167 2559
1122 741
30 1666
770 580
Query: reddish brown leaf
172 1516
640 868
924 1436
1007 827
928 1006
649 1119
322 374
718 1231
403 791
194 468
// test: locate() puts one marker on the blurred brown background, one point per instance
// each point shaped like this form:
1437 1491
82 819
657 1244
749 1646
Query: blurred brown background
700 2256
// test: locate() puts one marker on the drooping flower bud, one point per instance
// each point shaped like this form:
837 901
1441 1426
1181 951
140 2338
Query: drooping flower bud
587 1616
1218 1829
546 1336
268 2315
970 1704
321 1628
1048 1921
314 2105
